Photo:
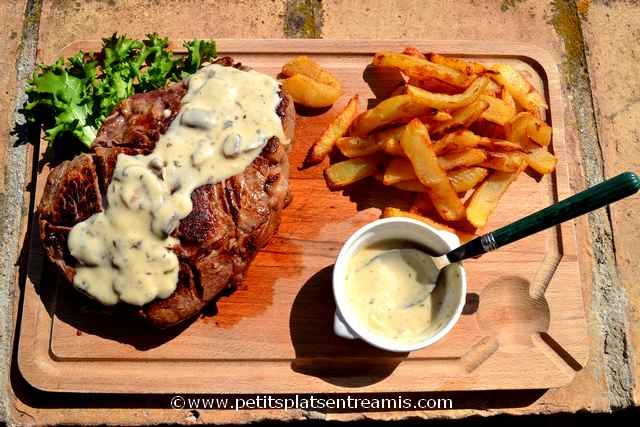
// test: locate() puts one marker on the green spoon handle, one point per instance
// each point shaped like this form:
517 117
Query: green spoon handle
599 195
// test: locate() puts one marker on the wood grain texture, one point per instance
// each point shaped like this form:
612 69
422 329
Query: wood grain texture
524 325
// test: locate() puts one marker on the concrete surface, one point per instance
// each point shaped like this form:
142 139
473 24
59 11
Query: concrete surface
596 47
612 34
12 166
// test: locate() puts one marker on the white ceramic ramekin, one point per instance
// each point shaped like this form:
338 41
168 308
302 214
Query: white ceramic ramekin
346 323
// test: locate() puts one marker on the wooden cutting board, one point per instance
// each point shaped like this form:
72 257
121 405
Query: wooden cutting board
523 326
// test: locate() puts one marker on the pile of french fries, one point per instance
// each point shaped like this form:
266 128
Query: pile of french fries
452 127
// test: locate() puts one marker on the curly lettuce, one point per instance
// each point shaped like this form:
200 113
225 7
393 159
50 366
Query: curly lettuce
72 97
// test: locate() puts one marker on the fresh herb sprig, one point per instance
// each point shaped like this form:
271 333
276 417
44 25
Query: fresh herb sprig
72 97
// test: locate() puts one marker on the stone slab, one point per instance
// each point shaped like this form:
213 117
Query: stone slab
12 18
64 22
612 34
524 21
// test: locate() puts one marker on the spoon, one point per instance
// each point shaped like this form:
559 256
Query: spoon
600 195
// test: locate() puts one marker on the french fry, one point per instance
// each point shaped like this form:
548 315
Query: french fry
433 120
538 157
441 116
421 68
395 212
499 112
541 160
464 180
415 186
471 157
489 129
355 146
417 145
390 139
454 150
505 95
391 110
516 130
486 197
539 132
498 144
435 85
398 170
456 141
523 93
332 133
392 147
306 91
467 67
347 172
413 51
390 133
307 67
506 162
442 101
524 126
492 89
461 118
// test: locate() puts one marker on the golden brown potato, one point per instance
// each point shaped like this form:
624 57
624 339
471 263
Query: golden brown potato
355 146
349 171
398 170
310 93
392 110
390 133
415 186
442 101
486 197
523 93
332 133
465 179
539 132
456 141
461 119
413 51
506 162
467 67
306 66
420 68
462 180
498 144
524 126
435 86
471 157
505 95
392 147
416 144
499 111
541 160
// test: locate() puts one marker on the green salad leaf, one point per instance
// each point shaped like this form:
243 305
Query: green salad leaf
72 97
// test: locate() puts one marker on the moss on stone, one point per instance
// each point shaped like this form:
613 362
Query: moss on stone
303 19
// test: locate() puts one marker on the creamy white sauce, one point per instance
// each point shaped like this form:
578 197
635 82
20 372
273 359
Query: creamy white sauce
124 253
389 286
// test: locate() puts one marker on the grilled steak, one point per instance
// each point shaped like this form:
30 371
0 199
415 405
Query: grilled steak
230 220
